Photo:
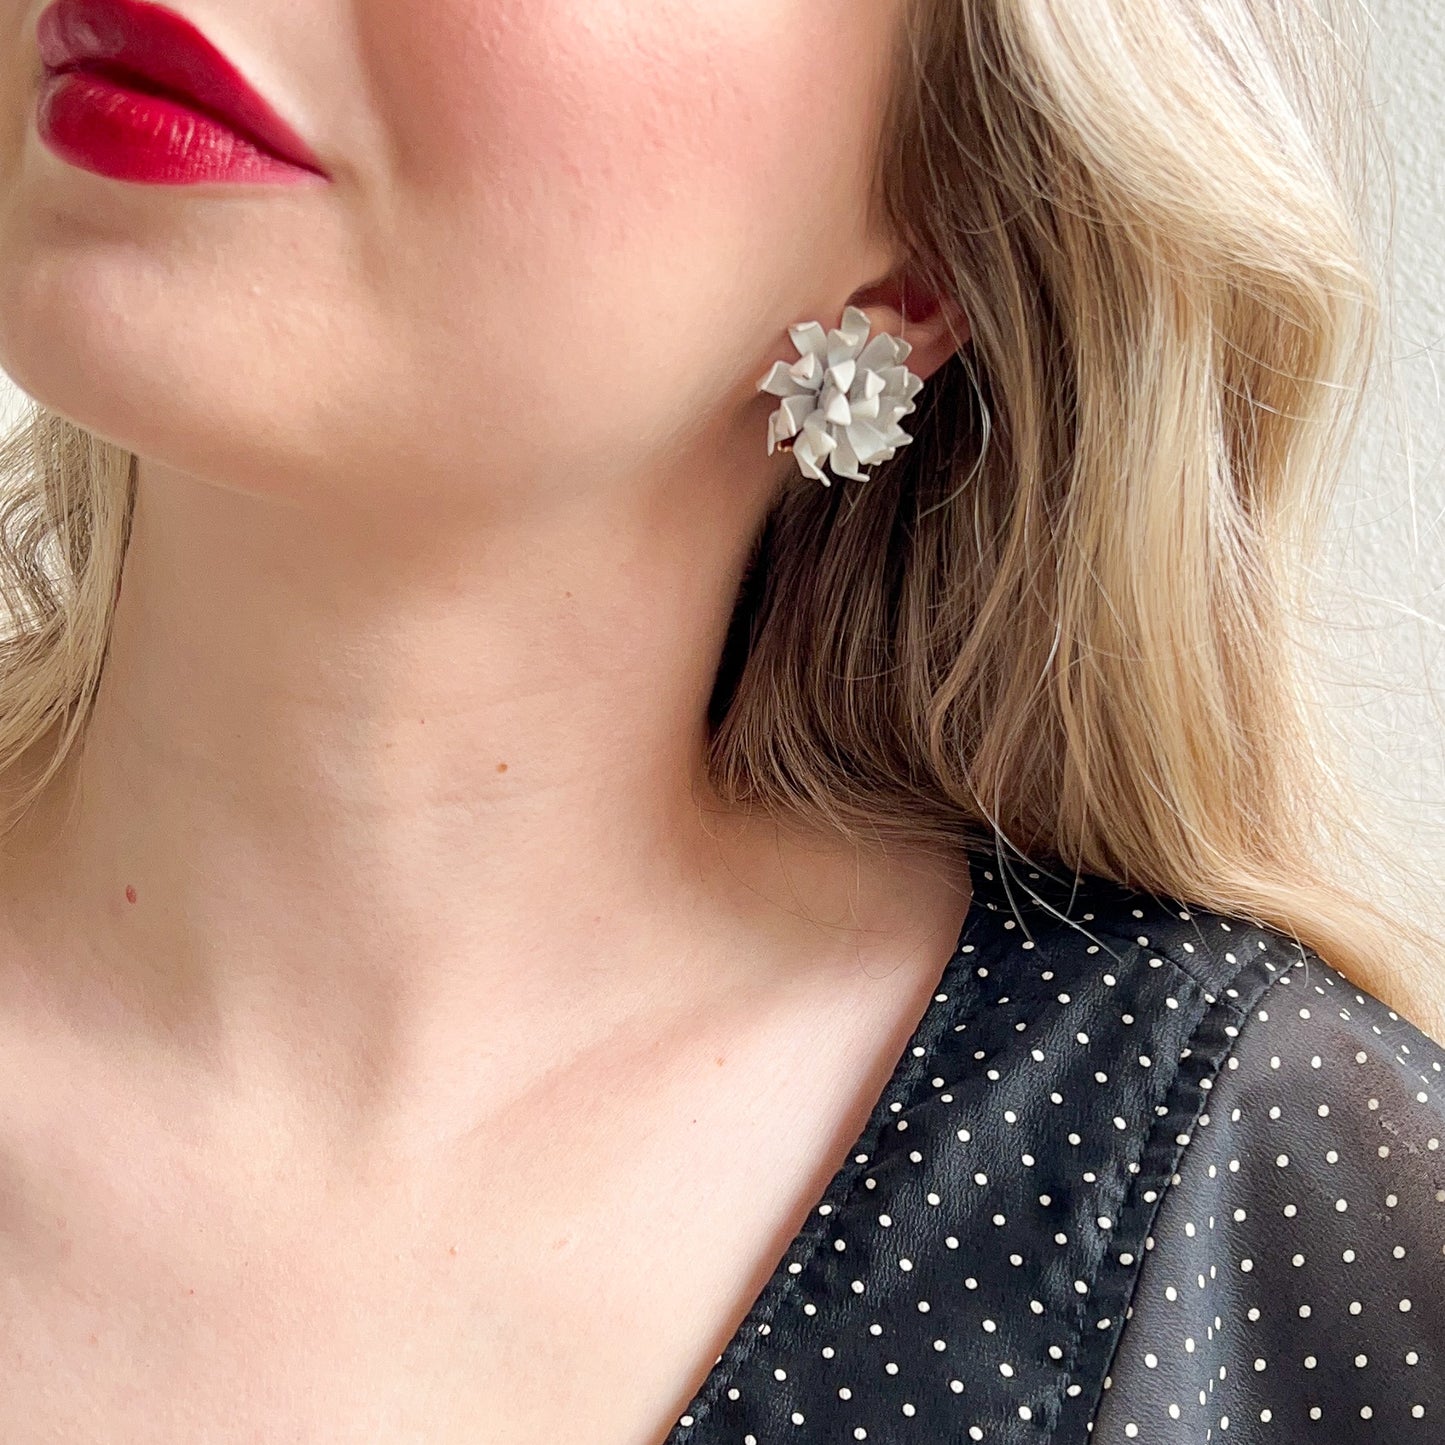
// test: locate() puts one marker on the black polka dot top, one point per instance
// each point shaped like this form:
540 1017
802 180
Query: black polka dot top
1142 1172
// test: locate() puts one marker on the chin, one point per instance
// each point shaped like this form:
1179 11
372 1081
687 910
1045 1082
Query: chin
90 344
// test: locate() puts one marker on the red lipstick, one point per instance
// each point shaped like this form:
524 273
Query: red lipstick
135 92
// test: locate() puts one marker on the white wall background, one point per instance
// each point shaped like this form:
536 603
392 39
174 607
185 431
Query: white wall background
1388 548
1384 654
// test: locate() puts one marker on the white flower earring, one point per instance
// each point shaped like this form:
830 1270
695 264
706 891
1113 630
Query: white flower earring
843 396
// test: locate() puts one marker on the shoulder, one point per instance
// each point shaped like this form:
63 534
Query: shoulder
1274 1246
1275 1001
1276 1040
1291 1024
1063 1216
1279 1254
1087 920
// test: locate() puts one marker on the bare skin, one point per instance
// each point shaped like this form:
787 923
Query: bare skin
190 1253
399 1042
204 1235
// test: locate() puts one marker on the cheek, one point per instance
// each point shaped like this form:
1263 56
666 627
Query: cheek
15 82
613 105
605 156
614 194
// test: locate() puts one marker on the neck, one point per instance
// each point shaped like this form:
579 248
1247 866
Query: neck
351 788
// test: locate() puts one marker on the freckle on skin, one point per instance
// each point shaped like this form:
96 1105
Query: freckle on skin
501 767
720 1060
130 892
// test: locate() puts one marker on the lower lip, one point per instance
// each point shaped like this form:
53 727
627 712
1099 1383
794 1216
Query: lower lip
100 124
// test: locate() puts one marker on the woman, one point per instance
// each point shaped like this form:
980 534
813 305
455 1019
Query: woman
526 916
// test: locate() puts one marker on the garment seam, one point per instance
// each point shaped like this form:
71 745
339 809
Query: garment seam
1213 997
1068 1373
1221 1006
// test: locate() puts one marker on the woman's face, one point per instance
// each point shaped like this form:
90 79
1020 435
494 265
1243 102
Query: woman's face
560 241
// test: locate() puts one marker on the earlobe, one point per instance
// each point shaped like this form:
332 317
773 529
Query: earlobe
904 304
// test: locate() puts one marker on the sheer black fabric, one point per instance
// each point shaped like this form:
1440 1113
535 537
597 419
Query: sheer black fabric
1294 1286
1142 1172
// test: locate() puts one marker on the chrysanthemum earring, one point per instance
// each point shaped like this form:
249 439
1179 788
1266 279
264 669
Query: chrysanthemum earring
842 398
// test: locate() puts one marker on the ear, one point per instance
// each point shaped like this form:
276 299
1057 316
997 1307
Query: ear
904 304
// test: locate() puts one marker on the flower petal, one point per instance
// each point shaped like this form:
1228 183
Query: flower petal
838 410
866 407
841 374
855 324
810 468
818 440
867 441
844 460
796 410
878 353
808 371
811 449
810 338
781 381
846 342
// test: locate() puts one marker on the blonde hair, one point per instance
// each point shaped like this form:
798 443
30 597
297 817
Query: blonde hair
1068 617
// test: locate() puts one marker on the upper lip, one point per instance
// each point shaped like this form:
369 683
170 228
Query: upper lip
159 51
